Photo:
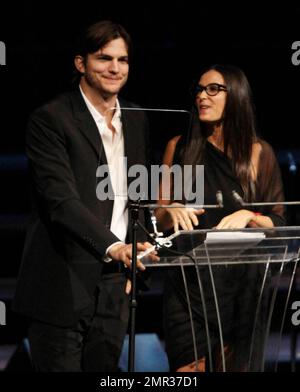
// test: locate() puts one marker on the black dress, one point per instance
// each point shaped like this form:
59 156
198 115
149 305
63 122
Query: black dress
237 286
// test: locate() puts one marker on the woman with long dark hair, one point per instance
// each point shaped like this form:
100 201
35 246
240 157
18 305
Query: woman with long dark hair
223 138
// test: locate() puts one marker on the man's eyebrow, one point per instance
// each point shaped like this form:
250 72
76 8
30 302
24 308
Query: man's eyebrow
108 56
102 55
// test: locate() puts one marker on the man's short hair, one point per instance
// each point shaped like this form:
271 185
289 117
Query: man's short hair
97 35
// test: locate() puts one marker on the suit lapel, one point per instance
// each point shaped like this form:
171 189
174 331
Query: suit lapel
89 130
87 125
129 129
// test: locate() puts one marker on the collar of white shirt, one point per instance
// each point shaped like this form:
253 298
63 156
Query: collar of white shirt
98 117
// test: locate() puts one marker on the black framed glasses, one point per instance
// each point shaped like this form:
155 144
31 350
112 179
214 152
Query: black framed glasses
211 89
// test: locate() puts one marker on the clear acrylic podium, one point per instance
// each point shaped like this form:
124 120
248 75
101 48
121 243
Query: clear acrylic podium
262 264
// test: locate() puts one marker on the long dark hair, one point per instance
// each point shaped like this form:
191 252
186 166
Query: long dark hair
239 128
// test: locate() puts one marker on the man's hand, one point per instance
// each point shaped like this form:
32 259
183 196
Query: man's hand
123 252
238 220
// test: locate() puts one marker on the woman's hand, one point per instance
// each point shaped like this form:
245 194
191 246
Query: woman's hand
186 218
238 220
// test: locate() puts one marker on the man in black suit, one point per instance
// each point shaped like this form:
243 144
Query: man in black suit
72 282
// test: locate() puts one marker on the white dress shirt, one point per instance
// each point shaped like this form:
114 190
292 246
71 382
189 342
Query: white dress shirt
113 143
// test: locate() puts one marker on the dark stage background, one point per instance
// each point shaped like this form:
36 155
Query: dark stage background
172 42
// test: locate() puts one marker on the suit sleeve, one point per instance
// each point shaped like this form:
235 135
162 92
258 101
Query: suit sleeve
55 185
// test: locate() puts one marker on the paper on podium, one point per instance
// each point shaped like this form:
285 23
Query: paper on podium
228 246
234 236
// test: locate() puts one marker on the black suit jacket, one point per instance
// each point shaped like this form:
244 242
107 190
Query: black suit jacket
69 233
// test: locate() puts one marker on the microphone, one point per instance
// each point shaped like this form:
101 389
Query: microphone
292 163
219 197
238 198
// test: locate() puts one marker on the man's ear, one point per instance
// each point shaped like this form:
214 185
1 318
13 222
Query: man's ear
79 64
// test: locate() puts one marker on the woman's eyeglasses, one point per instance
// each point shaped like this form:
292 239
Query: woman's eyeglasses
211 89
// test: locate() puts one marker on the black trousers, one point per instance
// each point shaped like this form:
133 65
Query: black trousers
95 344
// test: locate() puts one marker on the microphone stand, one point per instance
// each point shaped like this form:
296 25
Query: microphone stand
134 208
134 213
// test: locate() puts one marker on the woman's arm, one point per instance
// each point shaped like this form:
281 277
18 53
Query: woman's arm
172 217
267 178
